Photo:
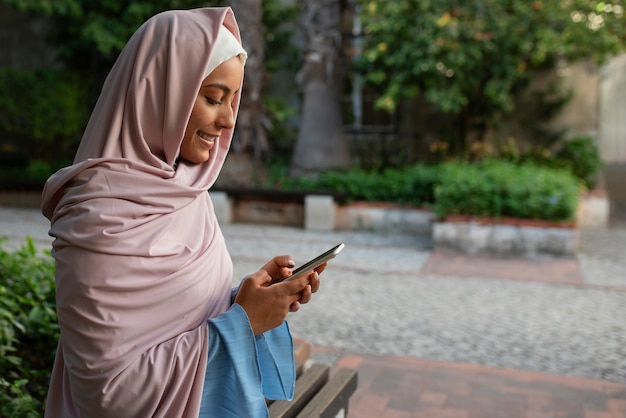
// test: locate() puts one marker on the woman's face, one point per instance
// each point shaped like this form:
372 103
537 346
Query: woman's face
212 111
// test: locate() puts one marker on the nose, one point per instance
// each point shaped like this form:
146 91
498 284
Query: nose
227 117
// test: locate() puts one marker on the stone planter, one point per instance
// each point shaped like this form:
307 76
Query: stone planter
383 217
321 212
511 237
471 235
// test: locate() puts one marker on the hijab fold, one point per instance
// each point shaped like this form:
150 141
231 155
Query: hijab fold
141 261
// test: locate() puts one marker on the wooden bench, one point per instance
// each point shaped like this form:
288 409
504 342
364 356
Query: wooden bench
317 393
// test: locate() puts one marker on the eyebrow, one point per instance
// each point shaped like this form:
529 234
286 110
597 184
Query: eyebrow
220 86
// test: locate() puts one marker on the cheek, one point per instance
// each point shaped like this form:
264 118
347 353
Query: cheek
202 114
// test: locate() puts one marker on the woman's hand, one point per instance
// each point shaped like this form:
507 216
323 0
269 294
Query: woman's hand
313 286
268 302
279 267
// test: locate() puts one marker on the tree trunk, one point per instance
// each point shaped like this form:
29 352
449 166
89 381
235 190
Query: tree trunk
321 143
250 134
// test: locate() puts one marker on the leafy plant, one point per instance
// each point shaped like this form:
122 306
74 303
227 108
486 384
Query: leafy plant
28 329
42 113
492 188
33 173
471 59
90 34
412 185
486 188
582 157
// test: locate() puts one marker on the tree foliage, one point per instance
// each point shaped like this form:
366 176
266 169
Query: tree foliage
471 58
42 113
45 110
91 33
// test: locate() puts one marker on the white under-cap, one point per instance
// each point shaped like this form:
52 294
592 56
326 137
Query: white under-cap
226 47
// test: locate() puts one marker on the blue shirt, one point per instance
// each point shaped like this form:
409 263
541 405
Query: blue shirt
244 369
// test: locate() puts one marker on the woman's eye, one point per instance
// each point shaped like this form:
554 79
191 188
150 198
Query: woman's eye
211 101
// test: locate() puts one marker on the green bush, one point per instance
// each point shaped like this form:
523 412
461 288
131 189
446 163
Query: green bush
582 157
579 155
33 171
498 189
42 114
28 329
412 185
488 188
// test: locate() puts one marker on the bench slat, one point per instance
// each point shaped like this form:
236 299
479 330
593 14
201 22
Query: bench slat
307 386
333 397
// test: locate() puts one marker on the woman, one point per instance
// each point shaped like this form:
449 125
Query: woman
150 326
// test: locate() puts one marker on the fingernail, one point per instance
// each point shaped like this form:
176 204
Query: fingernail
291 263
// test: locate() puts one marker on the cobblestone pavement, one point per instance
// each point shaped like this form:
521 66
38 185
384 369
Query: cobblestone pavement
376 299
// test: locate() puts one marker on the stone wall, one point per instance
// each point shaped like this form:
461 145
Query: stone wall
501 239
612 123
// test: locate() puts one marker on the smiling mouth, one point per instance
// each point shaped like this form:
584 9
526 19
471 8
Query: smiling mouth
209 139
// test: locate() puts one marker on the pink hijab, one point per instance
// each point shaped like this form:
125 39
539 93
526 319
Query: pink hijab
141 261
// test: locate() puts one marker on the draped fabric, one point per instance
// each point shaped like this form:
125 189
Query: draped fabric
244 369
141 261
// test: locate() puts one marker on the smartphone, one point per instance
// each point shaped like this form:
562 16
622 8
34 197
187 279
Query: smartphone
317 261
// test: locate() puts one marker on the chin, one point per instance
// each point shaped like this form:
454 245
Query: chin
200 160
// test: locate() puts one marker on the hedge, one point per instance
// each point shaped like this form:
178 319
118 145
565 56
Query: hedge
499 189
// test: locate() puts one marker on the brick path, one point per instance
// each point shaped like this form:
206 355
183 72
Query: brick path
406 387
550 270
